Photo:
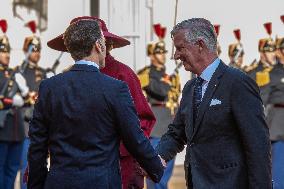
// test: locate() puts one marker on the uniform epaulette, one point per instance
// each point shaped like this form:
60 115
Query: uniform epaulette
143 76
251 67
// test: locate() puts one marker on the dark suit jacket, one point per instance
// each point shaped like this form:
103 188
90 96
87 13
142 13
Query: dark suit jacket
228 147
80 117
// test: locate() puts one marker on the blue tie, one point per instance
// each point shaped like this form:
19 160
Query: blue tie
197 97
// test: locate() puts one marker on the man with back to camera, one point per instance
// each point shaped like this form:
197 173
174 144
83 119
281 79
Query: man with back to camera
131 173
227 138
80 117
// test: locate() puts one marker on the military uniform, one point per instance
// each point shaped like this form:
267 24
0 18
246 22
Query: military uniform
11 119
11 126
236 51
217 30
33 75
260 71
270 79
273 98
162 92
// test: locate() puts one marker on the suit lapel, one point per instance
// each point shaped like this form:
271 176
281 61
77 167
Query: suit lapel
188 106
212 86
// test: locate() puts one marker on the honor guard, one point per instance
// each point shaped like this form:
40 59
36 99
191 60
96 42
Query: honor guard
236 51
12 91
33 74
260 71
217 30
162 91
273 99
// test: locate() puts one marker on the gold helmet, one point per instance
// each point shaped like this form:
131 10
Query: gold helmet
236 49
4 41
267 44
160 46
32 40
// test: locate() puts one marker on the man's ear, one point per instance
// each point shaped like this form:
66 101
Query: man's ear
98 47
201 44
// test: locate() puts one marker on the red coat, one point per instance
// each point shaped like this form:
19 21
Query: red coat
131 172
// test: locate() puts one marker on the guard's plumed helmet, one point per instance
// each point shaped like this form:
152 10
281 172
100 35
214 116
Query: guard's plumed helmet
267 44
32 40
236 49
4 41
160 46
280 41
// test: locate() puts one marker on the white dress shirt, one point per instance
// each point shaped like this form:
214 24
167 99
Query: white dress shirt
86 62
208 73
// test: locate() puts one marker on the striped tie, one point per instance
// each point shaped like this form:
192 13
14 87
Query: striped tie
197 97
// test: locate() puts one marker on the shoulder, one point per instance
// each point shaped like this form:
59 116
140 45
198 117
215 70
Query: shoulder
41 69
111 83
188 85
124 69
237 75
251 67
144 70
240 81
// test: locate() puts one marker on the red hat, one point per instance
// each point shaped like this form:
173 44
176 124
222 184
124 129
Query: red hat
58 42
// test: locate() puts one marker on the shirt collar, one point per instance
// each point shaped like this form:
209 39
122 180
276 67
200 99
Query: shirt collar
86 62
209 71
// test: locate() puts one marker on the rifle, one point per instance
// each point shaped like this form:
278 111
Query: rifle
21 70
178 66
55 65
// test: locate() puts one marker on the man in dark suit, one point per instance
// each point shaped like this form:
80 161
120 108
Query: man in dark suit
220 118
80 117
131 173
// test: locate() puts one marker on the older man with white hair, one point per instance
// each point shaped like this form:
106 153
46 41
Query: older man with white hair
220 118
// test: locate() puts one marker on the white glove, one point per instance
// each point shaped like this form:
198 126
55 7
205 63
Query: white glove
22 84
49 74
18 101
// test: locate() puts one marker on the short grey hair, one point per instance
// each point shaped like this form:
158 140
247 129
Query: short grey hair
196 29
80 37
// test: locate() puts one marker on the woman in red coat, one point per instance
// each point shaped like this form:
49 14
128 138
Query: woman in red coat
132 175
